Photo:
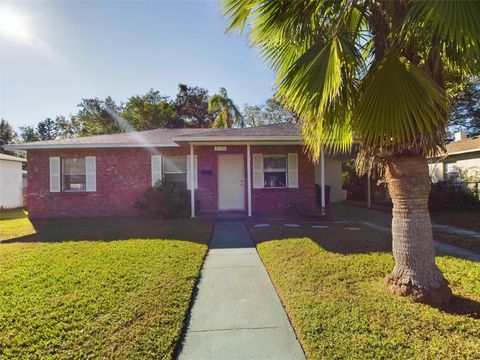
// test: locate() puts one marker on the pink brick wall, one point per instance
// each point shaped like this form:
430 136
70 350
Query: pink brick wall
123 175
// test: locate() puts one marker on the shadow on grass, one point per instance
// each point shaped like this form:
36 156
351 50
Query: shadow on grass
460 305
12 214
116 228
337 238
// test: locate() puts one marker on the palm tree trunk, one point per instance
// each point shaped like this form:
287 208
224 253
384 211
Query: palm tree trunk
415 273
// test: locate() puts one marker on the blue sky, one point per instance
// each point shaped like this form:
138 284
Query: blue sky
97 48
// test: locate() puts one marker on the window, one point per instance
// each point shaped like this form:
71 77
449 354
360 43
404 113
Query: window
74 174
175 169
275 171
451 171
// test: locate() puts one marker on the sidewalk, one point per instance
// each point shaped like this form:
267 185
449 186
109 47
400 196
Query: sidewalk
236 313
382 221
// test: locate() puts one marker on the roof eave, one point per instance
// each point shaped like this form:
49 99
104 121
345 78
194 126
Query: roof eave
463 152
14 160
247 139
82 146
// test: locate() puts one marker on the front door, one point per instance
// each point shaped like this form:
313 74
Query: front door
231 182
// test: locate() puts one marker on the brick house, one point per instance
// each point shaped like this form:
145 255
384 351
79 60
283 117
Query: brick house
249 170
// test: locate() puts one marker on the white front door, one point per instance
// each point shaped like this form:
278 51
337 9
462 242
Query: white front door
231 182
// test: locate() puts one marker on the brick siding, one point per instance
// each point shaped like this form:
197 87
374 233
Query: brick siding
123 175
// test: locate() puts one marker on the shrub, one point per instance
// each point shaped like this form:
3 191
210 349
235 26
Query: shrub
165 200
448 196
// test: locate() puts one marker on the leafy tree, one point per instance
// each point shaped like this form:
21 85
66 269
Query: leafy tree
376 69
225 110
465 115
253 115
66 128
151 111
7 134
47 129
97 117
192 106
28 134
271 113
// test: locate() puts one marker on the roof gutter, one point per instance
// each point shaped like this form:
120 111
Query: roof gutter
235 138
82 146
447 154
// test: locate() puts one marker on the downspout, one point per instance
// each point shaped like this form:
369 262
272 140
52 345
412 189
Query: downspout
192 182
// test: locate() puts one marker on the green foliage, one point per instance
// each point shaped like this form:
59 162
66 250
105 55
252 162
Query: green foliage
465 114
141 112
446 196
151 111
66 128
225 111
28 134
92 298
7 134
166 200
47 129
192 106
375 71
330 282
272 112
97 117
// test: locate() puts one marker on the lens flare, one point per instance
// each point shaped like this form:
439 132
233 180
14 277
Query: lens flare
13 25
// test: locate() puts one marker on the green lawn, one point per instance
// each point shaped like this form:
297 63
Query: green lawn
68 293
14 223
331 283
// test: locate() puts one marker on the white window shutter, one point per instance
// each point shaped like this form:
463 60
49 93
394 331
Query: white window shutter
156 169
91 173
293 170
195 172
258 181
54 174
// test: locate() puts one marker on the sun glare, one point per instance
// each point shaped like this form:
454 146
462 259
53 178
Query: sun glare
13 25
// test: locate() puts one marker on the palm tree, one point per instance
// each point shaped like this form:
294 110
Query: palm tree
226 110
374 71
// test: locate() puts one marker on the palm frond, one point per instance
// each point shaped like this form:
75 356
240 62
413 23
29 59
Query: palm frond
215 103
238 13
400 108
452 25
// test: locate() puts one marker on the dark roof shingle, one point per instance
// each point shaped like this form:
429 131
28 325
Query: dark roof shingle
161 137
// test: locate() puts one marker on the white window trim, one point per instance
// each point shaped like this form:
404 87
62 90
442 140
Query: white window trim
62 174
186 172
275 170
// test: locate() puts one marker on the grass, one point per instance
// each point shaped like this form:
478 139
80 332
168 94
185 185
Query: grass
96 288
467 220
464 219
14 224
331 283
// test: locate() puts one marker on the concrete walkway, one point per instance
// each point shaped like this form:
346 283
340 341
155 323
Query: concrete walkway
382 221
236 313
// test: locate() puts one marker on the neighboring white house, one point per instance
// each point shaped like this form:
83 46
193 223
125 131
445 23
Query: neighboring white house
11 181
462 159
333 178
